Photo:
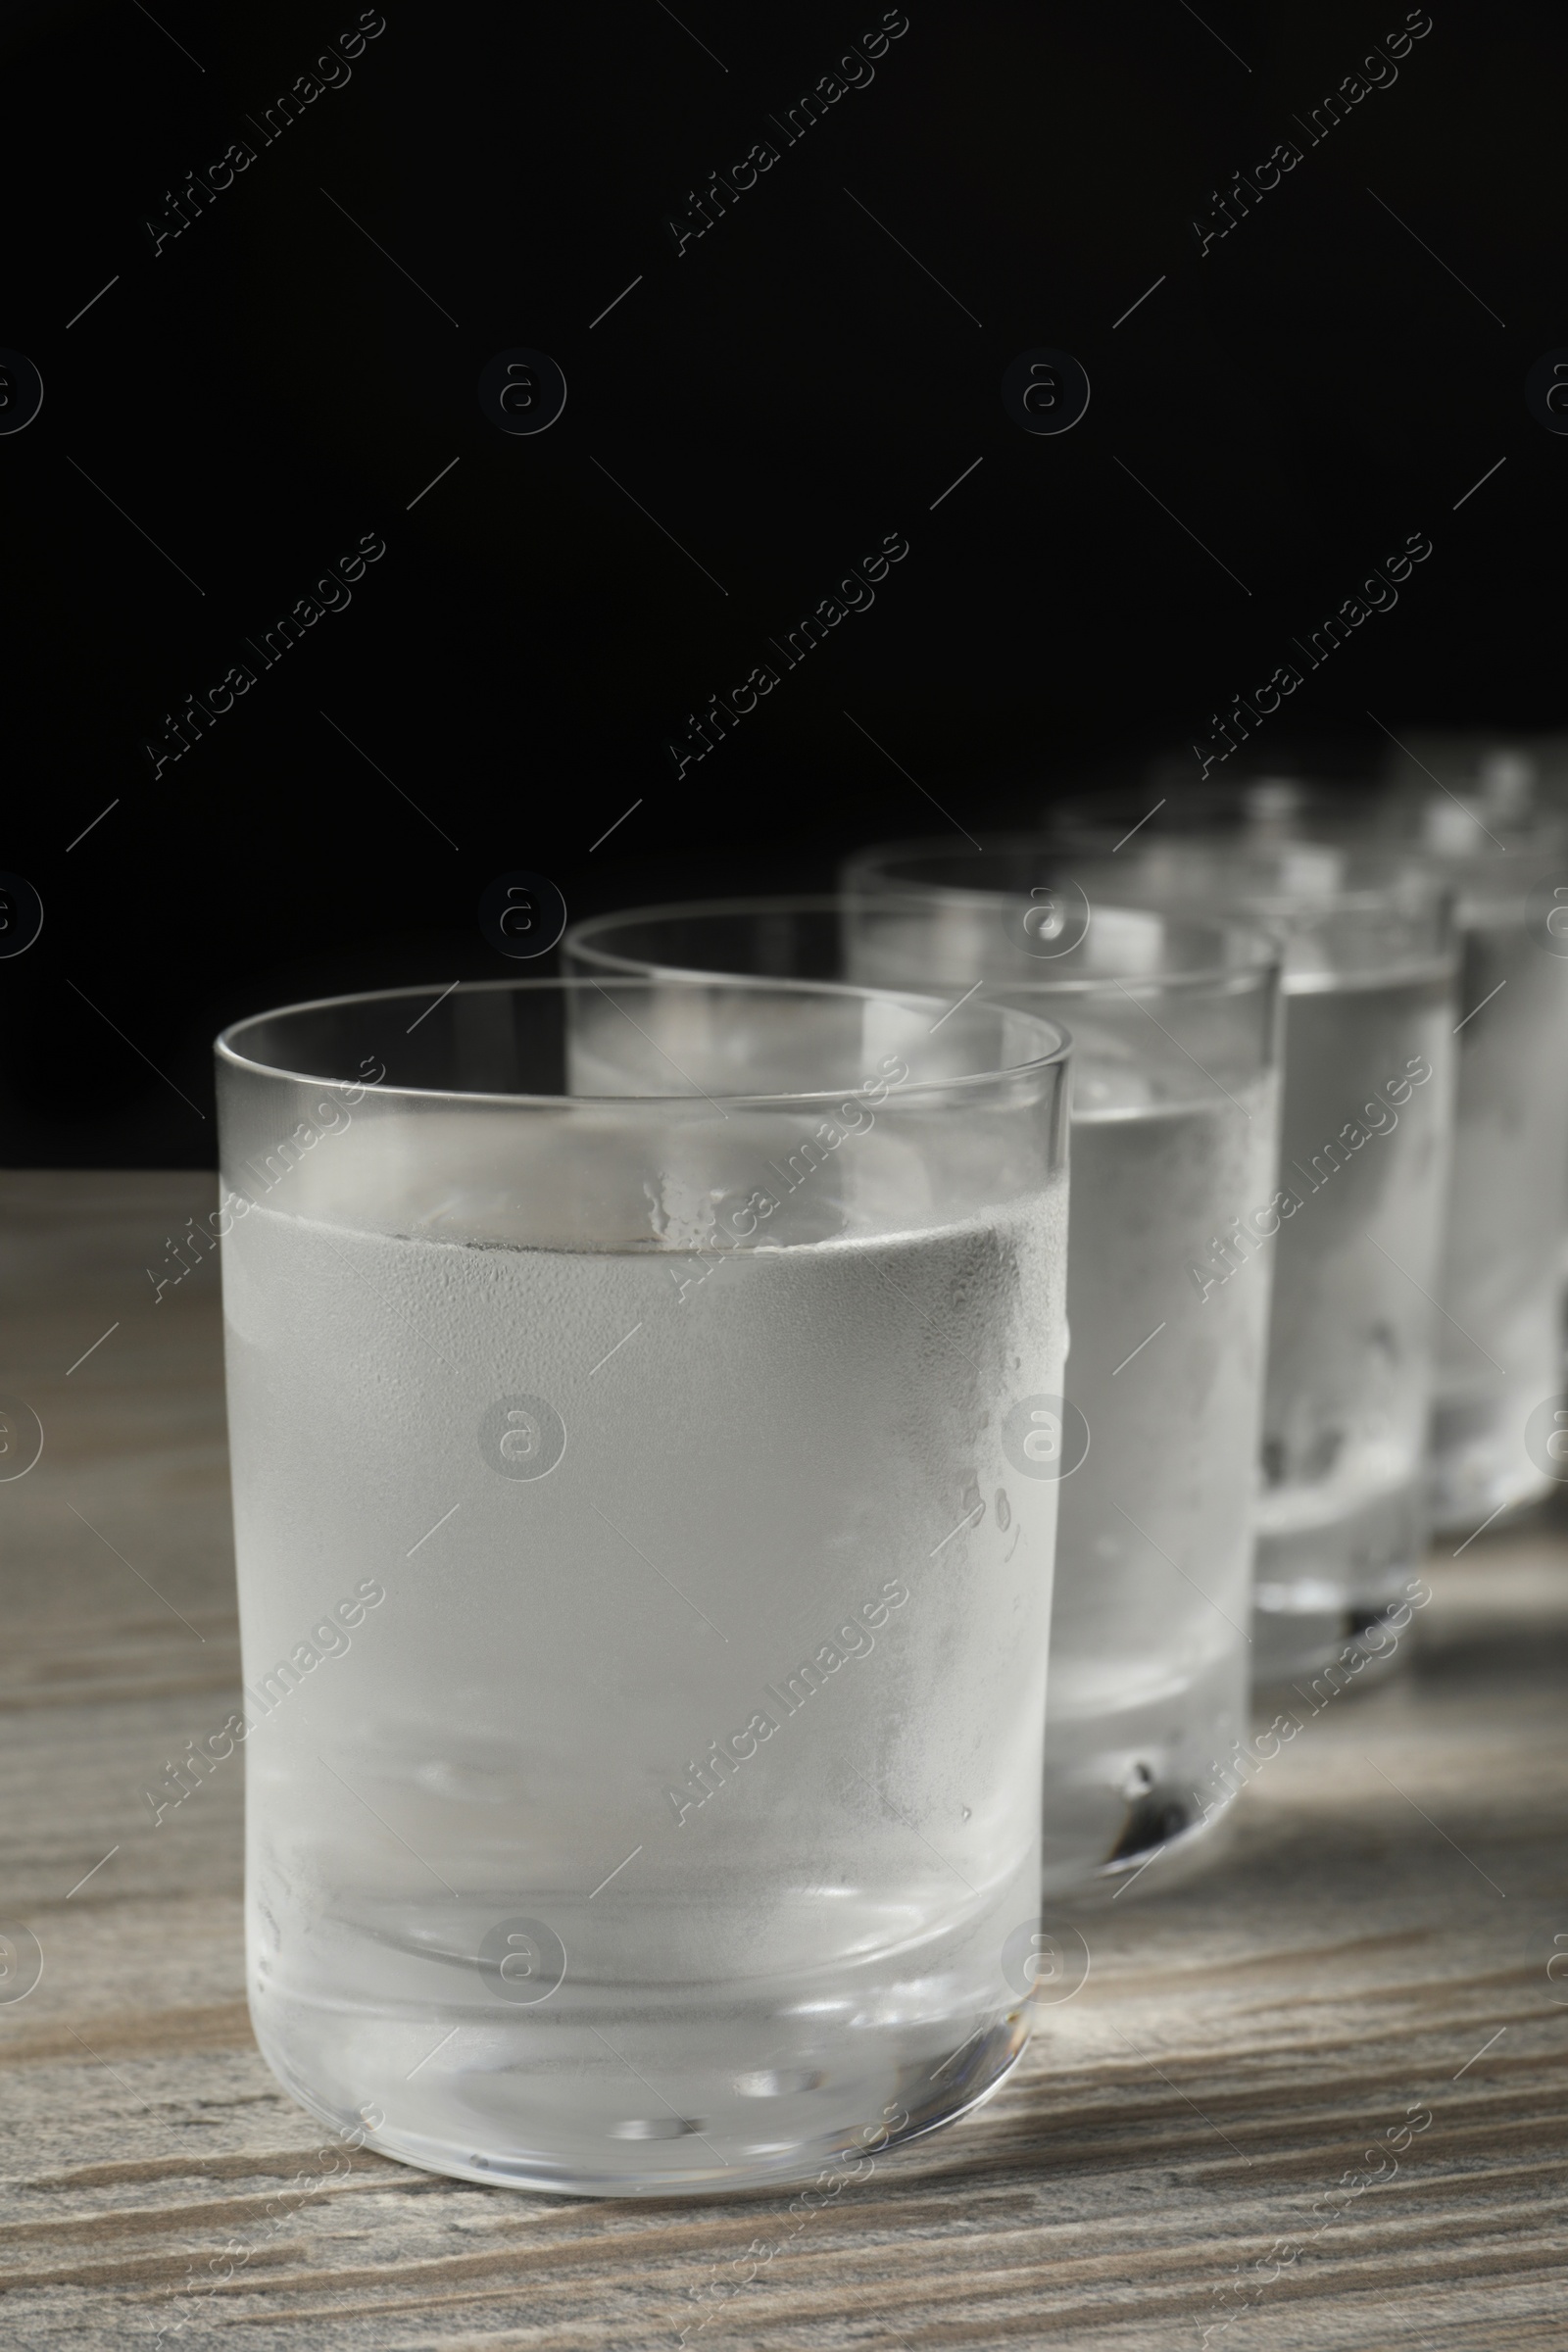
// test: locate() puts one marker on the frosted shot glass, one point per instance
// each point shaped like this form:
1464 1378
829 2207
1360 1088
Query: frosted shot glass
639 1724
1366 1131
1501 1338
1150 1646
1500 1288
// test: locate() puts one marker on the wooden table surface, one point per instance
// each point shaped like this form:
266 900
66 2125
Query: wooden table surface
1184 2145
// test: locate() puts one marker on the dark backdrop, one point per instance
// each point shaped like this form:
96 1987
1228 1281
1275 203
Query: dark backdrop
289 372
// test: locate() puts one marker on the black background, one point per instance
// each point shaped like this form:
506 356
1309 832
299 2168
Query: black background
270 385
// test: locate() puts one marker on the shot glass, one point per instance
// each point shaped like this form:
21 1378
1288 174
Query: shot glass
1500 1339
1173 1133
641 1706
1366 1132
1500 1288
1520 780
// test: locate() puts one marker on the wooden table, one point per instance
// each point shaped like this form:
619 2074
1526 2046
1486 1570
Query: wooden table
1172 2154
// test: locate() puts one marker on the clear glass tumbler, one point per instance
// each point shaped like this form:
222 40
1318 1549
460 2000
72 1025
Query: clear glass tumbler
1499 1343
1508 786
641 1723
1366 1129
1173 1134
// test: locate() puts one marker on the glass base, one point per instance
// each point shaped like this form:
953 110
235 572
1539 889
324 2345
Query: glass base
587 2125
1352 1649
1479 1468
1127 1778
1324 1590
1169 1841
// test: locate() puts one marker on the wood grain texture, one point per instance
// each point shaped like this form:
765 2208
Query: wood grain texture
1376 1942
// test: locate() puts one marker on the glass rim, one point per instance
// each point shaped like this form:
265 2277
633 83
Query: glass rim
1264 952
1404 865
1350 808
228 1055
1326 817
